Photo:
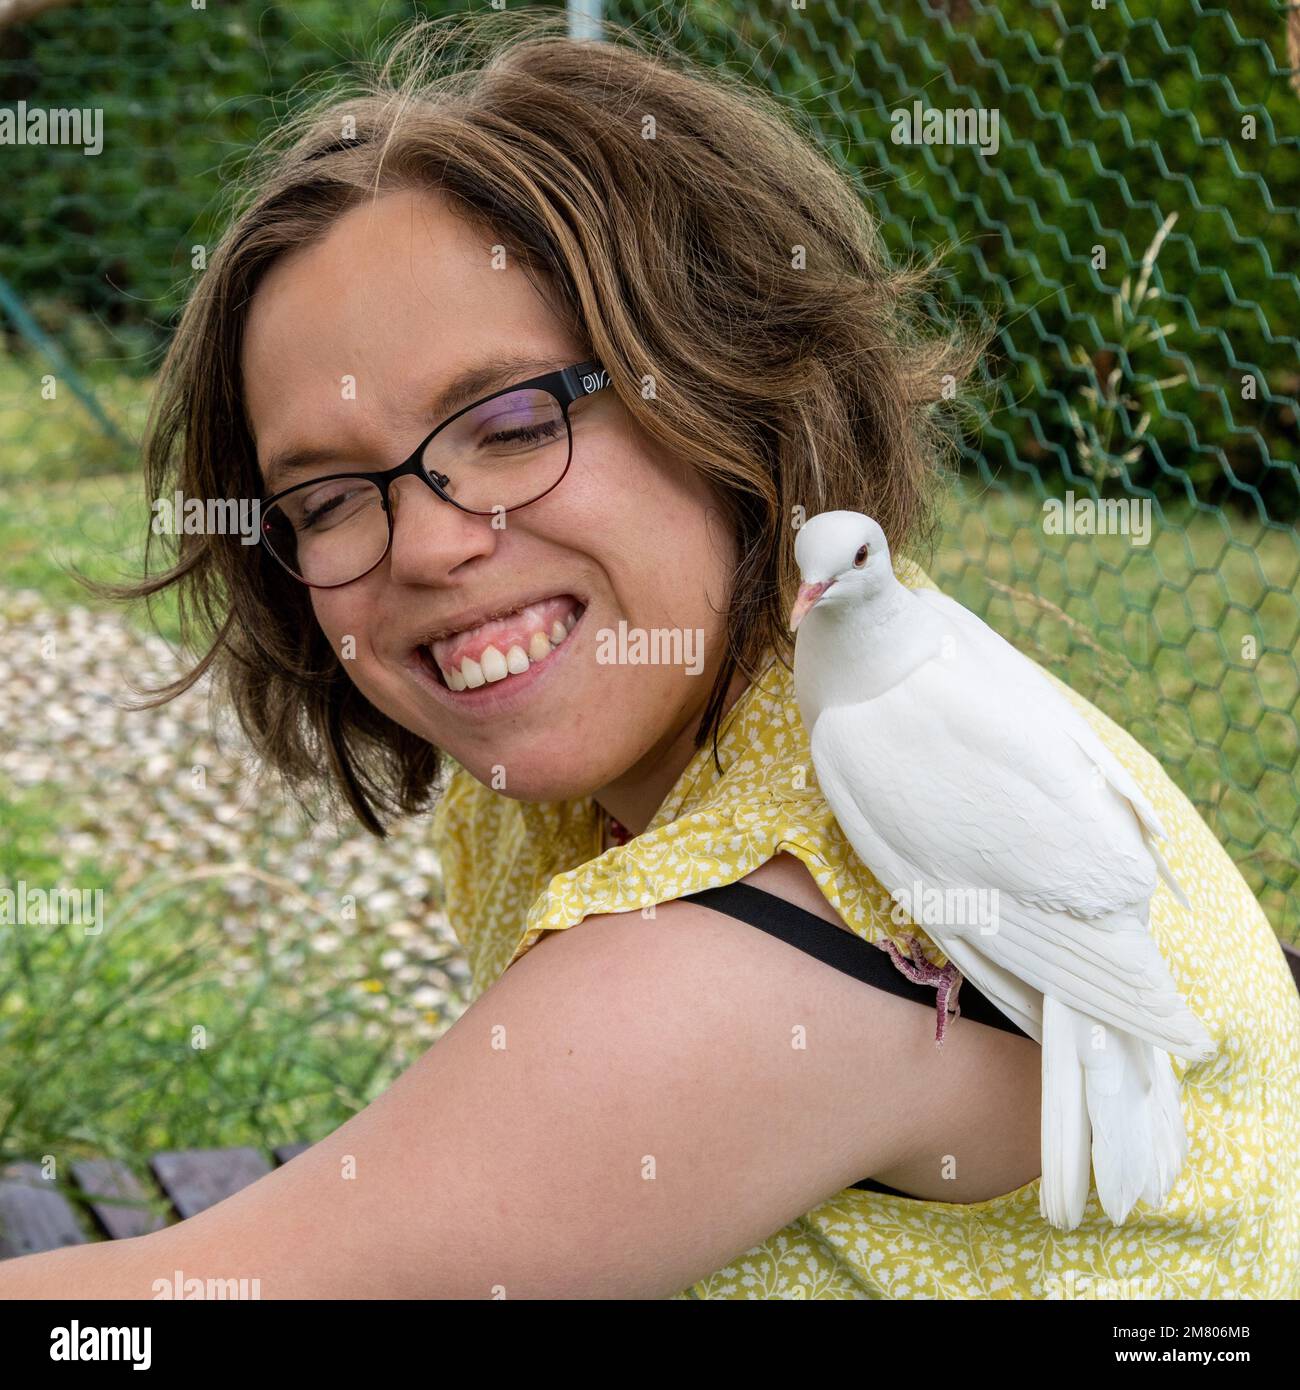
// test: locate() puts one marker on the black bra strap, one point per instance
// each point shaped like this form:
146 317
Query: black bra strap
840 949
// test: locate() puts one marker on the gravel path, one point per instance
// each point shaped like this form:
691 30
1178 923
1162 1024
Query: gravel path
156 792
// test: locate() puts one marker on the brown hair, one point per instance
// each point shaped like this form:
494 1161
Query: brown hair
689 233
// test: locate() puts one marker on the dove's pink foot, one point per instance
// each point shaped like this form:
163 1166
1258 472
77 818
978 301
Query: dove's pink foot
947 979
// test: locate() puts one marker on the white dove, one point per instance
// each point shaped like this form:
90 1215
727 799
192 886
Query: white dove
952 763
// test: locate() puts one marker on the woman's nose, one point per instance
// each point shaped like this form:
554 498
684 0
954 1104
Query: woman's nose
430 536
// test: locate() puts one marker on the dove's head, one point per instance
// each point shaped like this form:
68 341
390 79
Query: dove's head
843 558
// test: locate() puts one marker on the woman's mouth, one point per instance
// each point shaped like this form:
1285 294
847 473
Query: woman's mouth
506 648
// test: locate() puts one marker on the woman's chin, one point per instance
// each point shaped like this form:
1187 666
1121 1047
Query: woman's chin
527 778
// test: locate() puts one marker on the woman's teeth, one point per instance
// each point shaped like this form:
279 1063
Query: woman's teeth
493 665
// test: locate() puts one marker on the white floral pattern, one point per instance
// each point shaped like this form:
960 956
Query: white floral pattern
1231 1227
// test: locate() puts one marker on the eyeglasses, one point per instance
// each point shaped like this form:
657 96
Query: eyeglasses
504 452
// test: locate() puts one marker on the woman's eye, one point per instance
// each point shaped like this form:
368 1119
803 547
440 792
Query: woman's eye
335 503
860 558
540 433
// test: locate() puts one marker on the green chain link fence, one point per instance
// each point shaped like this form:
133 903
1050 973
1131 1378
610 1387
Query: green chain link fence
1132 233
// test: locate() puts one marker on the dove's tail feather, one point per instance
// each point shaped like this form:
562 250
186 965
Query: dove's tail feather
1139 1141
1063 1189
1169 1133
1116 1095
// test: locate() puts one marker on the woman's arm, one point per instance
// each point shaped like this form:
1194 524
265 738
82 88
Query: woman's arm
632 1105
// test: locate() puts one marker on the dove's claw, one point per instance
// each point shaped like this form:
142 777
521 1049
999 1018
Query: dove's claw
920 971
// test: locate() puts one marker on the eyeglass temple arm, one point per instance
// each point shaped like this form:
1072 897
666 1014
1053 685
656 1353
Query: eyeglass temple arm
585 379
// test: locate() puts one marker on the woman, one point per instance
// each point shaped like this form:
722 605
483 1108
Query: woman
603 326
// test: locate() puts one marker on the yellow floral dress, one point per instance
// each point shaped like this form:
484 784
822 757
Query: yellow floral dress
1231 1226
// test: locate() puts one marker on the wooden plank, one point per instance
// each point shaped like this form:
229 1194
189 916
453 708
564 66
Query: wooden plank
34 1214
287 1151
1293 960
203 1177
118 1198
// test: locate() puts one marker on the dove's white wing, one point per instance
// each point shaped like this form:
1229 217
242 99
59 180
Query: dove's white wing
969 779
1016 669
950 782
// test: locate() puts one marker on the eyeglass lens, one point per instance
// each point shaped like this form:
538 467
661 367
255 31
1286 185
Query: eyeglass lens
501 454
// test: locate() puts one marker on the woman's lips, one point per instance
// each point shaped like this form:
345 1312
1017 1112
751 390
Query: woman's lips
505 647
497 699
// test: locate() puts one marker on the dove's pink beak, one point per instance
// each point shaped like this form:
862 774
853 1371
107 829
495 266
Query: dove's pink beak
805 599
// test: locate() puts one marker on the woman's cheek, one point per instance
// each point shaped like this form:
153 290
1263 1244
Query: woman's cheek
344 627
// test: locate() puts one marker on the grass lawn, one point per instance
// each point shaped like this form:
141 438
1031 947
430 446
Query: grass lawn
144 1032
70 499
51 531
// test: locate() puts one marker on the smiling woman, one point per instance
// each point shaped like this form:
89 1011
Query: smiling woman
626 326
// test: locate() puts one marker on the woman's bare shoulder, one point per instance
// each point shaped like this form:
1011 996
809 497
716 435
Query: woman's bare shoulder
956 1154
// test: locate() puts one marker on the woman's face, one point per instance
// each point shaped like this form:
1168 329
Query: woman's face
349 342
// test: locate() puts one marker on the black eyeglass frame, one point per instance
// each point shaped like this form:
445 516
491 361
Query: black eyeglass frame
567 385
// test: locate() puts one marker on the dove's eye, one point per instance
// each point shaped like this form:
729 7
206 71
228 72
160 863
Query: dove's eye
860 558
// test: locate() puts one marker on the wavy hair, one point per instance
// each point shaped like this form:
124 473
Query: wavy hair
683 225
